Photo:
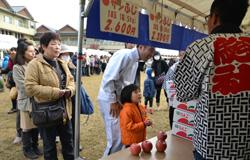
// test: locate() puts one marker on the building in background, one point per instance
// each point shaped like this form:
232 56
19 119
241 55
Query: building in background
67 33
42 29
16 21
69 36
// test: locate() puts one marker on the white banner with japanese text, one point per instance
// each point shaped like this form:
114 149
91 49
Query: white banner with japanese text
160 27
120 17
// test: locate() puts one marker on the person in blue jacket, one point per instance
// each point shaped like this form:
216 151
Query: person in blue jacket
149 89
5 62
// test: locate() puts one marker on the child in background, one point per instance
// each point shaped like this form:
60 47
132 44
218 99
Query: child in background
149 90
133 119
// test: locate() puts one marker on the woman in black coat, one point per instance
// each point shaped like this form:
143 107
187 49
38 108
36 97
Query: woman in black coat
160 68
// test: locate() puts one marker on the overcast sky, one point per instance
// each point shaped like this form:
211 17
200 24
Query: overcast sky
53 13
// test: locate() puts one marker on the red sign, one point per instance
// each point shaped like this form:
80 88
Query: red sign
119 16
232 65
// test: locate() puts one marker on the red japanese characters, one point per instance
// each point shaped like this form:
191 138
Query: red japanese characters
119 17
231 59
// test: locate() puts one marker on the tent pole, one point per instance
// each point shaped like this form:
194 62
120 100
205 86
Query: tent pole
78 82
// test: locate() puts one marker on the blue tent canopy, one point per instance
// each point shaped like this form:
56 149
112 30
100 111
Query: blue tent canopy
181 37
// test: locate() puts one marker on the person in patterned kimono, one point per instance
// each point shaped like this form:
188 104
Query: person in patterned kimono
215 72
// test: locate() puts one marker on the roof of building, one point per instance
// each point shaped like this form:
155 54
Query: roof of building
40 29
67 28
5 4
17 8
22 10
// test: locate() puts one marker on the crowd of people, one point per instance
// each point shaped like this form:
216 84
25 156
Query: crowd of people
43 77
35 77
92 64
42 90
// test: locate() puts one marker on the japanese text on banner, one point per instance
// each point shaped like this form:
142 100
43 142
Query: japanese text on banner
119 16
160 27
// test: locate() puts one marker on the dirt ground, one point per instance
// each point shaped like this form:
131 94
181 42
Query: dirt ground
92 134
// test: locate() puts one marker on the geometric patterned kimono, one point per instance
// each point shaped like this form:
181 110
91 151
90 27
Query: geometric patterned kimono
216 71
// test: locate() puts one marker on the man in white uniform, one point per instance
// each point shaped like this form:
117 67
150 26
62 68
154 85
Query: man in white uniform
120 71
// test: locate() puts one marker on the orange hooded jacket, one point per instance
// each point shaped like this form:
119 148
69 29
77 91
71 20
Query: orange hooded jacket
132 119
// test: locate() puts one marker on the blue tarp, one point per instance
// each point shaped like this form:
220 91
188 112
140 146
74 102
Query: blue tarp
180 38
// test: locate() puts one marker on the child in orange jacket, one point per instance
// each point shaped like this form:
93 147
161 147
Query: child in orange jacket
133 119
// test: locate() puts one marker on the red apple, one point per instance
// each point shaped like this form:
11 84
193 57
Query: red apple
162 136
146 146
161 146
135 149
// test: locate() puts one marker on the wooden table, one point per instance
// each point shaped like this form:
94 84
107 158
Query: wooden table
177 149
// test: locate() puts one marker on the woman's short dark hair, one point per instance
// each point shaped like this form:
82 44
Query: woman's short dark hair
47 37
126 93
230 11
22 47
13 49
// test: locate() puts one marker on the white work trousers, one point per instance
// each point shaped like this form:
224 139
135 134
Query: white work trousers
112 128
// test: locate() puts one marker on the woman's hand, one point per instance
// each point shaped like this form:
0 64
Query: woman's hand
61 93
67 93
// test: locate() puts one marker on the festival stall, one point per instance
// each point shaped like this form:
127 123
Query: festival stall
171 24
128 21
176 149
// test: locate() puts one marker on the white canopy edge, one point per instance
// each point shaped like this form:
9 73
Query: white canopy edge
188 13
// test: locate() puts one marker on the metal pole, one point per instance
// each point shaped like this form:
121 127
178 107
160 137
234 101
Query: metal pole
78 82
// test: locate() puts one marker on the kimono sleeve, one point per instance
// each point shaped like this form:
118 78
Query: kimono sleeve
190 73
